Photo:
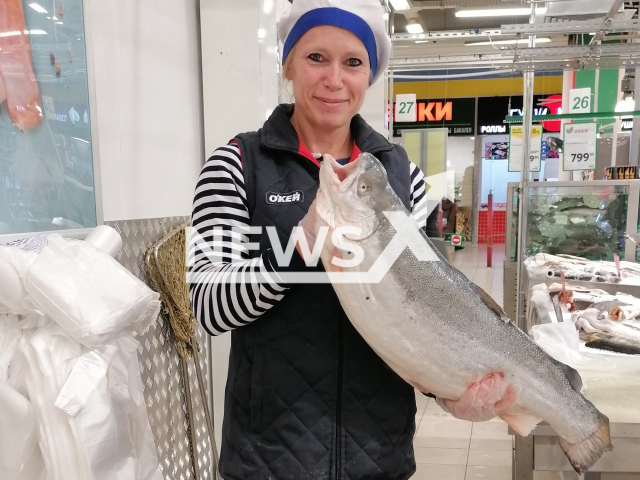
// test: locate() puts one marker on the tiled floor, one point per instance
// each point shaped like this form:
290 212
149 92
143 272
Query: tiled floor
451 449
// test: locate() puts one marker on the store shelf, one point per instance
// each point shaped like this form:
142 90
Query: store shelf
445 35
570 27
551 53
517 119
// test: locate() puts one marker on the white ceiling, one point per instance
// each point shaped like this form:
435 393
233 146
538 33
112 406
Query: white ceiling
444 20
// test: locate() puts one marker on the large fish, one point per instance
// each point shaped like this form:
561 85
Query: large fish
429 324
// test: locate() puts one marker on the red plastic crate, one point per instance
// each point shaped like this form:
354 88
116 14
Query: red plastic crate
499 226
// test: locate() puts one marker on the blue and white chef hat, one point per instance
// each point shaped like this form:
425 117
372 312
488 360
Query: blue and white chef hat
364 18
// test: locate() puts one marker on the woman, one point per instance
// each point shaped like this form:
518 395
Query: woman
306 397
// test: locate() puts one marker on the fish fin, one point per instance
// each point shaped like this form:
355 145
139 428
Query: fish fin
575 380
492 304
522 423
584 454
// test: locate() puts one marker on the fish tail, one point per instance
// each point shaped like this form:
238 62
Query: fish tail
584 454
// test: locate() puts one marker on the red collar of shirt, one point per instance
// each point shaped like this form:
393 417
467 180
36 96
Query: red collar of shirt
304 151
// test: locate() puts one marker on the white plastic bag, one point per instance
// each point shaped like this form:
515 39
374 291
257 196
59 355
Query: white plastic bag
9 337
104 395
540 298
20 457
89 294
562 341
49 356
14 264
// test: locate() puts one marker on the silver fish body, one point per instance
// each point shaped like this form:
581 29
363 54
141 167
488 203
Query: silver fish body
427 322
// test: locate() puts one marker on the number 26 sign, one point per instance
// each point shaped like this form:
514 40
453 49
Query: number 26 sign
580 146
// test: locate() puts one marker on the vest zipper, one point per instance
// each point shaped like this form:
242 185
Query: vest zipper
339 402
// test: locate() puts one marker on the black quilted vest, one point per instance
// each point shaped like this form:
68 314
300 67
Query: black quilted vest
306 397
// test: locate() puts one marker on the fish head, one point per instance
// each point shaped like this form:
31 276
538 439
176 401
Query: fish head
353 195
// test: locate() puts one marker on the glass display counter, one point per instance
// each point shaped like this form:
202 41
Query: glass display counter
587 219
591 220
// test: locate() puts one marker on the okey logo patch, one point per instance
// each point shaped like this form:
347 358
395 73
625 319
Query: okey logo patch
290 198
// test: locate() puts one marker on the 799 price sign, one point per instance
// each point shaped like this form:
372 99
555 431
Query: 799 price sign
580 146
581 157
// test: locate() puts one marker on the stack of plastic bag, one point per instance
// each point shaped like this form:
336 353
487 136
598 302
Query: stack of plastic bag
71 396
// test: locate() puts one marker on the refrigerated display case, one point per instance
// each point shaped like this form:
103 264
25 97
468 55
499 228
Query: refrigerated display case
590 220
586 219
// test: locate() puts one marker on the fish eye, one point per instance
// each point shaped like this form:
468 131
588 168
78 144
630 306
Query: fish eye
363 188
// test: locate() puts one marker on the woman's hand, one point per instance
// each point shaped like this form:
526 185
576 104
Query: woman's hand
482 401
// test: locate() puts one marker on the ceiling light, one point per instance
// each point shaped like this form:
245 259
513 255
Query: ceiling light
400 5
36 32
519 41
422 41
59 23
498 12
38 8
55 18
414 28
10 34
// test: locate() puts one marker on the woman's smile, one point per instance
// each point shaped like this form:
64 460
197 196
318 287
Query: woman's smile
332 103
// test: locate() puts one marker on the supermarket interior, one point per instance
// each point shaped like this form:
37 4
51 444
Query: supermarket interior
319 240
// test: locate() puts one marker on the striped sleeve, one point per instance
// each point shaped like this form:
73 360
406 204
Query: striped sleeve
418 197
224 289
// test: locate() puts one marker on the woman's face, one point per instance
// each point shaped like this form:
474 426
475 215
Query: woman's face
330 72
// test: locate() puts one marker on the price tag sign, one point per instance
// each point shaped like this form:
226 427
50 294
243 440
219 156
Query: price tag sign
516 148
580 100
406 108
580 146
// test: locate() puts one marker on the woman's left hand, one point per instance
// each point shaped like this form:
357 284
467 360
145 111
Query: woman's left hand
482 401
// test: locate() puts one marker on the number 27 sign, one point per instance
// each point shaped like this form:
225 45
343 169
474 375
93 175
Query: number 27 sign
406 108
580 141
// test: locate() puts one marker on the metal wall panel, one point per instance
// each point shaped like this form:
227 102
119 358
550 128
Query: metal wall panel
164 387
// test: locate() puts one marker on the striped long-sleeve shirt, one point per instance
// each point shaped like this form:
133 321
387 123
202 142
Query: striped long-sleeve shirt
220 206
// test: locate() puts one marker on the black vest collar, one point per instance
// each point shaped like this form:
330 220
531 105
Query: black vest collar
278 133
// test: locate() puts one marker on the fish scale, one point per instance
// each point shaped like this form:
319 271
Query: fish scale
426 320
